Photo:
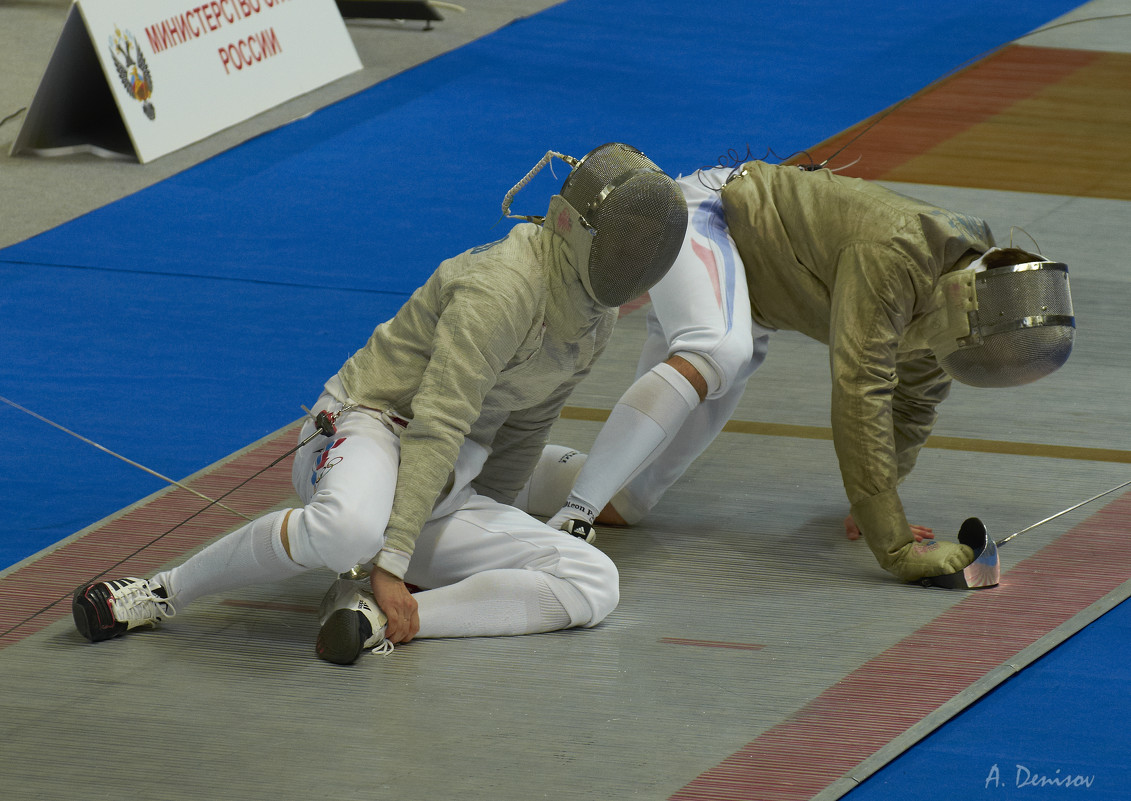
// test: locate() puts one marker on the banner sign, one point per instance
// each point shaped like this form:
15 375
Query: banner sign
180 70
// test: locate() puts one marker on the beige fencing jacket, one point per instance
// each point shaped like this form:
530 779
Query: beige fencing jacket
488 349
854 265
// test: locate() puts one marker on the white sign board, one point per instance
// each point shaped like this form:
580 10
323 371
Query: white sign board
179 70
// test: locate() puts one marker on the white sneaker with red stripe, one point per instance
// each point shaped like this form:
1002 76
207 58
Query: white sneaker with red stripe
105 609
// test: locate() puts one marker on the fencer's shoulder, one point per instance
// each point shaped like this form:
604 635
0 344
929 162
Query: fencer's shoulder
511 267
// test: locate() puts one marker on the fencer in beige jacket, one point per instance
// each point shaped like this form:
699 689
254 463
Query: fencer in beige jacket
855 266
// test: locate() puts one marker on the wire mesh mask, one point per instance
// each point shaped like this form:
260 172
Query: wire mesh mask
636 214
1009 325
640 217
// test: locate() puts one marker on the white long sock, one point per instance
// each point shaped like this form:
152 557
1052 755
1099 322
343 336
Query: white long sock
640 426
498 603
551 481
252 554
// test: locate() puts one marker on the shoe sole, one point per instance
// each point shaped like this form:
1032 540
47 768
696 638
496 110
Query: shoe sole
340 595
84 610
339 639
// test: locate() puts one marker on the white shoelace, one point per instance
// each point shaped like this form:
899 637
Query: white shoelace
140 603
384 648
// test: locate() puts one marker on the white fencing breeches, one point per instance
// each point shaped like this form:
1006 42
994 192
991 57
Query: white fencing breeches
347 482
702 307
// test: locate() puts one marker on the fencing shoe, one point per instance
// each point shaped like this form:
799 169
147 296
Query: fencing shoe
105 609
351 622
582 529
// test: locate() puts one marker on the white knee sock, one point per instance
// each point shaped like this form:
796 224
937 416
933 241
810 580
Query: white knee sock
640 426
551 481
252 554
498 603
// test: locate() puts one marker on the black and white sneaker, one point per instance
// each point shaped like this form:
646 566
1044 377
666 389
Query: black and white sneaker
582 529
105 609
350 622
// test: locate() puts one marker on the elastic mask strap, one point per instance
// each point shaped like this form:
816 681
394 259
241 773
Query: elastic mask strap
546 159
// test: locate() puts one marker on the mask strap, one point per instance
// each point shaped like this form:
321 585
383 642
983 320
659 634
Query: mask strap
546 159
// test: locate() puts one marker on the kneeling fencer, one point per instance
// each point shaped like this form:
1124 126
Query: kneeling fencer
433 427
906 295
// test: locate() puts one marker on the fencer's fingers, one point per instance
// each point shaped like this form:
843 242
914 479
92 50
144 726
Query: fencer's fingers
413 626
410 619
921 533
404 621
396 629
391 628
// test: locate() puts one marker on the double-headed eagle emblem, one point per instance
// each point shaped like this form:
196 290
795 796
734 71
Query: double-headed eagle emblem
133 70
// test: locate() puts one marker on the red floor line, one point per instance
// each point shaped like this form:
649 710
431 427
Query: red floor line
743 646
271 606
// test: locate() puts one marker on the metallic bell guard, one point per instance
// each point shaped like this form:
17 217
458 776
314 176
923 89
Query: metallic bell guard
983 572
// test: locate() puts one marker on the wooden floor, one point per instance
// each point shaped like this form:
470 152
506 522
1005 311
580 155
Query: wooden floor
1025 119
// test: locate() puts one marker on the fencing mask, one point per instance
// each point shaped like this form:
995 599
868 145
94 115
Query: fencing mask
1005 320
635 214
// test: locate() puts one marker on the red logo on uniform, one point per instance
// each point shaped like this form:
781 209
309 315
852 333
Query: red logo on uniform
565 223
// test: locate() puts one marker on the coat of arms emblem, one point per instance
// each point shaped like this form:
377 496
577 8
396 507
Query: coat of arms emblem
133 70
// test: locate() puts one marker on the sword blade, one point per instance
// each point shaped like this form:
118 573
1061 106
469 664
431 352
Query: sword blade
1002 542
106 450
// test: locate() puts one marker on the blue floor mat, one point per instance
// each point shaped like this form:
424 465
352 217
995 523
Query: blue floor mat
1055 730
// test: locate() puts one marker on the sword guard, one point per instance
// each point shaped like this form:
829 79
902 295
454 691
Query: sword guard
983 572
325 422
